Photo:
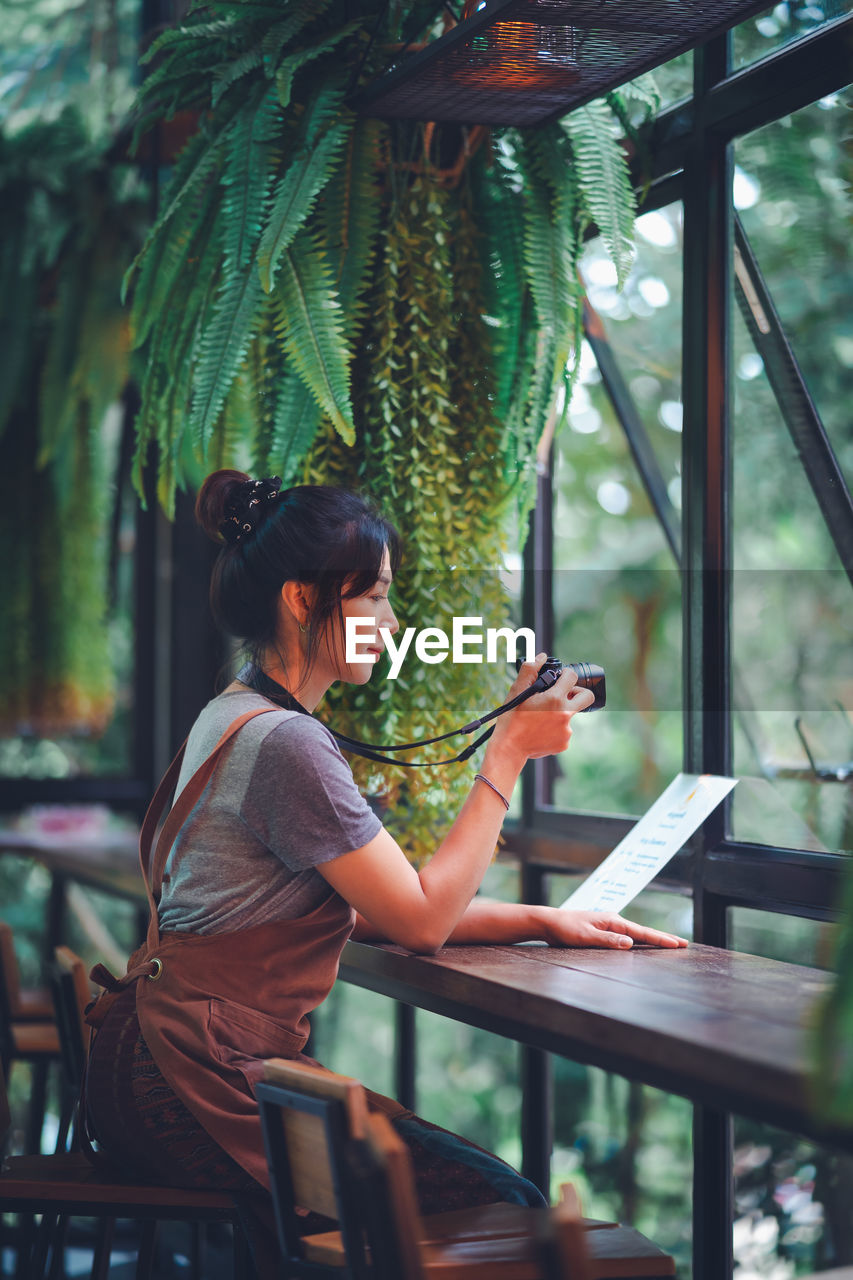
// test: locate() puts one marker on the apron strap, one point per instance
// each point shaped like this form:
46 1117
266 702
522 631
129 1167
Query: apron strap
153 869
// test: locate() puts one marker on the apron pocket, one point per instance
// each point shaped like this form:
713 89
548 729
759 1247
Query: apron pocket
244 1038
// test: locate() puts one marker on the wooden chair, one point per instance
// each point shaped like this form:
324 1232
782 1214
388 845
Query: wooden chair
145 1203
28 1034
309 1115
403 1246
71 994
309 1118
25 1004
67 1185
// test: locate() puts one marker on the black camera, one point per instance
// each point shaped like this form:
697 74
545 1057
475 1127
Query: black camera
590 676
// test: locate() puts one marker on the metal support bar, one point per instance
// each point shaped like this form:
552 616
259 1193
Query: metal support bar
796 406
405 1055
712 1154
785 81
537 1075
537 1093
635 432
706 520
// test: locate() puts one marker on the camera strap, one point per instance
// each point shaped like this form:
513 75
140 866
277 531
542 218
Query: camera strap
269 688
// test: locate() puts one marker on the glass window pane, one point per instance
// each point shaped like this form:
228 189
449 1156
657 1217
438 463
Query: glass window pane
791 627
791 1197
780 25
617 597
671 82
794 195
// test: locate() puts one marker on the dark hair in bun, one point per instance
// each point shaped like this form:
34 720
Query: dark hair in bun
331 538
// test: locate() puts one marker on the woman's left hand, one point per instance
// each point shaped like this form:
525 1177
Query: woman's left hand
563 927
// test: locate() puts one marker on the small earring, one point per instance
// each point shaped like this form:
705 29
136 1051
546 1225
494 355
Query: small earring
302 627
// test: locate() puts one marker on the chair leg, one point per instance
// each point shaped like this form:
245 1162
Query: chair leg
147 1250
198 1240
21 1237
103 1249
44 1241
38 1101
244 1263
60 1237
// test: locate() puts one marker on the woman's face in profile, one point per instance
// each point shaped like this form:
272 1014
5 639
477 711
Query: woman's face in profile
371 611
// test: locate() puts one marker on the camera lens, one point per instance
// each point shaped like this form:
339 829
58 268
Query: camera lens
591 676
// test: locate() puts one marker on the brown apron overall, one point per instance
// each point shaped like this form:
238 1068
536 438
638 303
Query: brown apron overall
212 1007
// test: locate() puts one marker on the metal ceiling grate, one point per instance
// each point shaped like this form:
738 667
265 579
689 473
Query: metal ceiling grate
522 62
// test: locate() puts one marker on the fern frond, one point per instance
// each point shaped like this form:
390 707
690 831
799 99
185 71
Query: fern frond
196 162
223 346
169 268
229 75
349 216
505 289
296 195
236 424
603 181
290 65
178 340
275 40
548 262
309 320
190 33
297 417
248 175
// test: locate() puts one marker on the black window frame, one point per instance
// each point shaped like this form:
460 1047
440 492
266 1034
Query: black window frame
691 151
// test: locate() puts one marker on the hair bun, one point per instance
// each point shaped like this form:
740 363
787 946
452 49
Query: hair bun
216 499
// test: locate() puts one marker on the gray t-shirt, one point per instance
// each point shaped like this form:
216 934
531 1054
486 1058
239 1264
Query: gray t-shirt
282 800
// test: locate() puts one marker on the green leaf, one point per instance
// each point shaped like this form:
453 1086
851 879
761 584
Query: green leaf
229 75
297 417
349 216
604 181
195 163
223 346
311 326
548 261
290 65
247 176
282 33
296 195
202 33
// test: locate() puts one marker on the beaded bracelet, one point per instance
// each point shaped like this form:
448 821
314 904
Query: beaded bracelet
499 794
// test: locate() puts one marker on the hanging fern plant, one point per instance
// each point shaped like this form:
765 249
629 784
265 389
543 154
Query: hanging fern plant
69 221
320 299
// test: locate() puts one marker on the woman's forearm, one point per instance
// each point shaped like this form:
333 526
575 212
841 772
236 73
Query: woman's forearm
483 921
487 922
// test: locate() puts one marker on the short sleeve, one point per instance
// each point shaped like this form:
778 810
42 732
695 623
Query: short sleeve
302 801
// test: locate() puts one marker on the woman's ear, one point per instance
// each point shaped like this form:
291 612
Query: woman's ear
296 598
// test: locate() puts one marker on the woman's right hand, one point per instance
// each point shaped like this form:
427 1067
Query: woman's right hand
541 725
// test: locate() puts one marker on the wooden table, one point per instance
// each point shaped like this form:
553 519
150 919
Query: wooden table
721 1028
726 1030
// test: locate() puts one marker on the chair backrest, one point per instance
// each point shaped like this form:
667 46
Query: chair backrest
562 1243
10 974
71 994
309 1117
402 1249
382 1169
10 993
5 1114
